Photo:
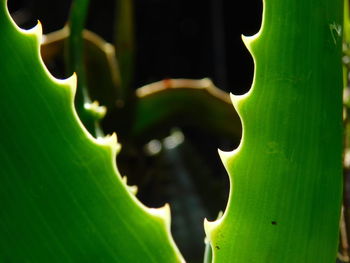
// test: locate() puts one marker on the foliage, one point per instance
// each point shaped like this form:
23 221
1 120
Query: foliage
286 174
62 197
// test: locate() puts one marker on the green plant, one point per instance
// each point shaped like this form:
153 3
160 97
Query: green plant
292 123
63 200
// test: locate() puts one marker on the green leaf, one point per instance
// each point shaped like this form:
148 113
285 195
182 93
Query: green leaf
286 175
101 65
61 196
184 103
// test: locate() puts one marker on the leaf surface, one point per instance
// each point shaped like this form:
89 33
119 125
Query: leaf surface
61 196
286 175
185 103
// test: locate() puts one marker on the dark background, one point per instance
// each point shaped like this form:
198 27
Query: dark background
176 39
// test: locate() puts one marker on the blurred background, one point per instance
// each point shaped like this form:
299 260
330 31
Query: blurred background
173 39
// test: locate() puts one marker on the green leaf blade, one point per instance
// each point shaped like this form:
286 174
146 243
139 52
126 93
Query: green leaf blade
61 196
286 175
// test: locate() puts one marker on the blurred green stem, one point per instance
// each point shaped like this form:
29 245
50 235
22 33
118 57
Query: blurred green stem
125 47
88 112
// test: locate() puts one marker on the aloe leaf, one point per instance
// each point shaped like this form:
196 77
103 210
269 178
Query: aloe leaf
61 196
184 102
286 175
102 71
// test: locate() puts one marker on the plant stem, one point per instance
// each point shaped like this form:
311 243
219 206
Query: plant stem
88 112
125 47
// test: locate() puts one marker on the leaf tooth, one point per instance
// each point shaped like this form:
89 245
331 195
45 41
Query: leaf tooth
36 31
236 100
114 143
211 226
132 188
71 83
226 156
163 213
97 111
36 34
249 41
111 142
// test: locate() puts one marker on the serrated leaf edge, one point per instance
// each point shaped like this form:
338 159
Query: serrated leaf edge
228 157
109 142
